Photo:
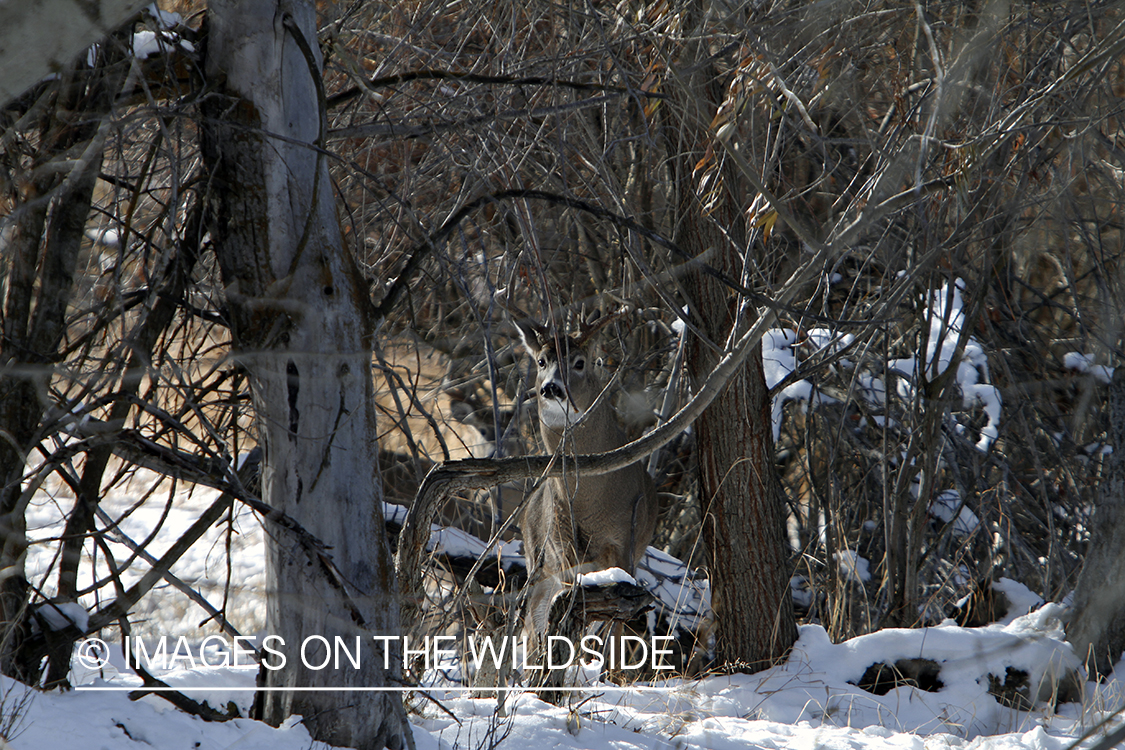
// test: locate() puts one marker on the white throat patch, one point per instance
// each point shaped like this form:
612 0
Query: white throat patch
557 415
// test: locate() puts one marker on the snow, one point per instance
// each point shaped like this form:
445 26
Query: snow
683 597
604 577
678 326
1021 599
110 721
1084 363
948 507
854 567
779 360
62 615
801 592
149 43
462 544
946 318
108 237
164 18
204 567
809 701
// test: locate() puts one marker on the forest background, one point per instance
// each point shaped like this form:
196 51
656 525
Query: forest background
915 209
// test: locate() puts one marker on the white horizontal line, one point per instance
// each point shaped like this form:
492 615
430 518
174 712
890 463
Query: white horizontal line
390 689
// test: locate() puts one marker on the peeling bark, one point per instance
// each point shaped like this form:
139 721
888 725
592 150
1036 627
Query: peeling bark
301 326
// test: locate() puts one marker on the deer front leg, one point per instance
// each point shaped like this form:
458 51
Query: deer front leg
546 546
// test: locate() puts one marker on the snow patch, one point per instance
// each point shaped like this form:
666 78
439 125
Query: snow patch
62 615
946 318
853 567
949 507
1084 363
149 43
605 577
779 360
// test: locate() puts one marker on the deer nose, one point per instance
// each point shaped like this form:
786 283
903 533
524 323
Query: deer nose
553 391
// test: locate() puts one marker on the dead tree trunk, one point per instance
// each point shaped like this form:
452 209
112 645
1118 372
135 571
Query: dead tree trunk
300 316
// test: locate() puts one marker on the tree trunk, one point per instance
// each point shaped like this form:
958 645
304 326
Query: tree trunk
1097 625
300 316
742 504
740 495
39 254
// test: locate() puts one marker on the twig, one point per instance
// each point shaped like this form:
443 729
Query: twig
178 583
448 75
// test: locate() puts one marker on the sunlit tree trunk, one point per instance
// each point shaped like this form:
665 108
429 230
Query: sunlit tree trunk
300 316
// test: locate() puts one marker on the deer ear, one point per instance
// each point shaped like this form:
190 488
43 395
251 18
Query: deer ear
531 335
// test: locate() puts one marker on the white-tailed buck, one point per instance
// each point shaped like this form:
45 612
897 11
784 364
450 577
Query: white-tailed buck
579 522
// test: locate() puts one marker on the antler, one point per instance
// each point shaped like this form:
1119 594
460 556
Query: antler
586 330
528 324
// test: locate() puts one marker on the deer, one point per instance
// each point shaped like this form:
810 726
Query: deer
578 522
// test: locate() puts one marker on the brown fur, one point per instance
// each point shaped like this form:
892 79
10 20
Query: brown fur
579 523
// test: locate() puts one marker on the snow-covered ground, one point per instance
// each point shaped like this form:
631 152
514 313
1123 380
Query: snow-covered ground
204 567
806 703
811 701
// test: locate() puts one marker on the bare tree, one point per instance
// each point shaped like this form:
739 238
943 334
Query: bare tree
302 328
740 497
41 249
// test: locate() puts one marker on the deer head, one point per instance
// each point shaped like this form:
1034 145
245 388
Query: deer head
566 382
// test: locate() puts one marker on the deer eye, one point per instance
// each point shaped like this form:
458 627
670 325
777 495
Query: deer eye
579 365
542 363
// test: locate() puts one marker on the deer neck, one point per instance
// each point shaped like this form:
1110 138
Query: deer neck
598 433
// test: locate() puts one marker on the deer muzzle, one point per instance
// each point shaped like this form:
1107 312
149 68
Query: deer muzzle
553 391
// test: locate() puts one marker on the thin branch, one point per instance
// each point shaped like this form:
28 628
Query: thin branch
178 583
422 250
398 130
448 75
